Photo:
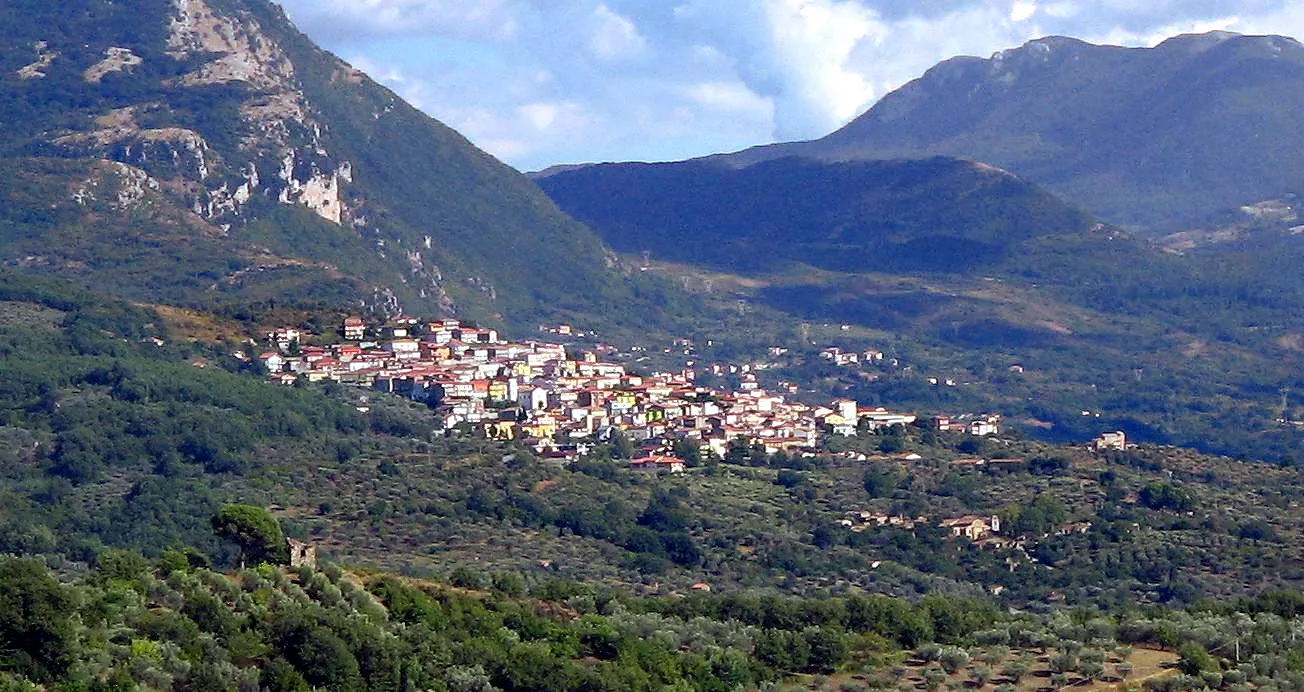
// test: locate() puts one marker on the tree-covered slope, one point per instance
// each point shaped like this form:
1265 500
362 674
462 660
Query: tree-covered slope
129 623
890 216
207 153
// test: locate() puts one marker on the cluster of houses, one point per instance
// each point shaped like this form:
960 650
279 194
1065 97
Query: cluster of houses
556 402
969 526
982 530
847 358
980 426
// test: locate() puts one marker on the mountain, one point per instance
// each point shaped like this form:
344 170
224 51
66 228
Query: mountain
1144 137
204 152
937 214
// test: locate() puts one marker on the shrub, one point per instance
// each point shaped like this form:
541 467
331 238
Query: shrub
953 659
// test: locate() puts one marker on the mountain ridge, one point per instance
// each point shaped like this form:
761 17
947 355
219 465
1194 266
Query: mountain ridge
1139 136
934 214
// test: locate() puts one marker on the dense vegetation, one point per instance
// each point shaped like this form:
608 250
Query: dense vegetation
939 214
111 438
125 456
173 623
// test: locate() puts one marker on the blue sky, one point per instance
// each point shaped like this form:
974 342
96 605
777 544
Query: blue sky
543 82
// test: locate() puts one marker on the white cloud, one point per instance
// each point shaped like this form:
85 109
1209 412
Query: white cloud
1060 10
352 19
615 36
1022 11
731 97
1153 37
813 42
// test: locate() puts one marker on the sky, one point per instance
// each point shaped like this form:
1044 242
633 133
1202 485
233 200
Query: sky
544 82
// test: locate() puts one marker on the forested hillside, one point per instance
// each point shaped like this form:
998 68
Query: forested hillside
129 623
888 216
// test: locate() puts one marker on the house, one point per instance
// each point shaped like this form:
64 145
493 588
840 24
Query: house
404 348
480 336
1076 527
658 463
500 430
882 418
971 526
285 337
354 328
502 389
542 426
840 357
533 398
1110 440
987 425
272 361
839 425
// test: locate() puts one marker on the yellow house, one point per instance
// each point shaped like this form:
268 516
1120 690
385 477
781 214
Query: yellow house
500 430
624 400
542 427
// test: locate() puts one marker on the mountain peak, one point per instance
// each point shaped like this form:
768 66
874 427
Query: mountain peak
1040 47
1207 38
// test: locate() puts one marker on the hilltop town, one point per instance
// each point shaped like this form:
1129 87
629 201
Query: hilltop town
560 404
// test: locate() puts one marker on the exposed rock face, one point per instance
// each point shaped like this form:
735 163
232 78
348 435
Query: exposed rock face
244 53
279 126
117 185
279 150
115 60
44 58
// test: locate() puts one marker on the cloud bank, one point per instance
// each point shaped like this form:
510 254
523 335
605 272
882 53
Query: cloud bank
539 82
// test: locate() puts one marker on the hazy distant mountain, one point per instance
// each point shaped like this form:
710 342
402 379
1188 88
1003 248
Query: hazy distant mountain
204 151
1197 125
